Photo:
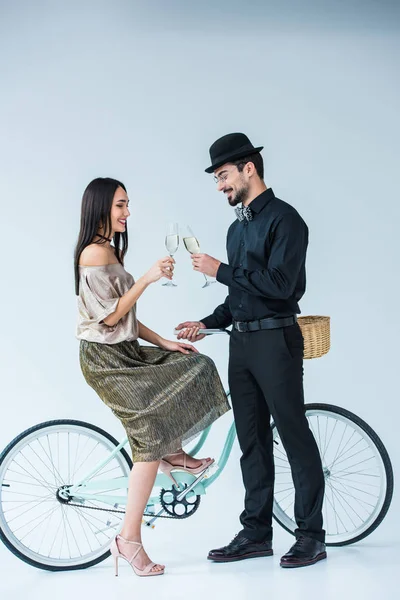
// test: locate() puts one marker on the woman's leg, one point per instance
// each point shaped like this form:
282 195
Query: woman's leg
141 481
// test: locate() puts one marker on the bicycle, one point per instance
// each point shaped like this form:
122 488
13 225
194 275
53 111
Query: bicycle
59 512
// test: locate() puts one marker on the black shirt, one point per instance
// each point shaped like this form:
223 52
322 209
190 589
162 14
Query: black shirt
266 272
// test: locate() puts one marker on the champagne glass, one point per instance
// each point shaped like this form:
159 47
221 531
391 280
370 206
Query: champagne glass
193 247
171 244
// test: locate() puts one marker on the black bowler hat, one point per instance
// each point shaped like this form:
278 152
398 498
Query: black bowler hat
229 148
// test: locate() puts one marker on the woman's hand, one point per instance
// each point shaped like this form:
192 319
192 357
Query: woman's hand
162 268
177 347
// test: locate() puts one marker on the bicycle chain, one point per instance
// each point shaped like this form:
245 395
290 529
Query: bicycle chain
121 512
145 514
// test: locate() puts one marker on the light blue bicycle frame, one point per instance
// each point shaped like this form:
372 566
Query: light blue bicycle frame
86 489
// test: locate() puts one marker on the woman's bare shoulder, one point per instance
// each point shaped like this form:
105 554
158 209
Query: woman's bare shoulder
95 255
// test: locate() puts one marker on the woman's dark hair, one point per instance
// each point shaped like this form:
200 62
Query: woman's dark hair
95 213
257 161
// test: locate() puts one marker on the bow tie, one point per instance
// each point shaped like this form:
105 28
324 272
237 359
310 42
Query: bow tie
244 212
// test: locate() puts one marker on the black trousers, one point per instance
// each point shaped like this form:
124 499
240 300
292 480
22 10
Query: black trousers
266 379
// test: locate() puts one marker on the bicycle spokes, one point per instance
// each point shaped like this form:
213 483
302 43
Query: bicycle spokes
39 516
354 474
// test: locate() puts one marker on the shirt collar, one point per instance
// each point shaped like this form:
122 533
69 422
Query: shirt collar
262 200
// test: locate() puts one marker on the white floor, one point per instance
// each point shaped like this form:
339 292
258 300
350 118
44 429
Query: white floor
368 570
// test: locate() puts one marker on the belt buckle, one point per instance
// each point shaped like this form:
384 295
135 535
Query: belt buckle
241 326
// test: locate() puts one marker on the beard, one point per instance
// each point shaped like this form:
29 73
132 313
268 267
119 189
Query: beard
241 196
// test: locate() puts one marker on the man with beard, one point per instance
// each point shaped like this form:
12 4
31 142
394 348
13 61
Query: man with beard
266 248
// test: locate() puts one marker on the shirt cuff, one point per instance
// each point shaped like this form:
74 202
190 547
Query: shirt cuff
210 322
224 274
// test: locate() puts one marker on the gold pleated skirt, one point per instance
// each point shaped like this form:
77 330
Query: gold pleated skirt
163 399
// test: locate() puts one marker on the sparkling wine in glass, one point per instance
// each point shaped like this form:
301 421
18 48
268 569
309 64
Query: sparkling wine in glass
171 244
193 247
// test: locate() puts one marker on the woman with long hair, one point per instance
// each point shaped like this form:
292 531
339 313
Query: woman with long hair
164 394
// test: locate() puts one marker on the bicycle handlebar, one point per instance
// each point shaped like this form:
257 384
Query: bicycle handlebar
205 331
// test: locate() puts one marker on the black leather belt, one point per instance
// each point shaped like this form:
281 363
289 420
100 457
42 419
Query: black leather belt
270 323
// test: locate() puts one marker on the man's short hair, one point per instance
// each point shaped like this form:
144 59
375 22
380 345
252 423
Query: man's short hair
257 161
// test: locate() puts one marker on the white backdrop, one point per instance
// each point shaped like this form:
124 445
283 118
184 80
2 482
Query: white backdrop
139 91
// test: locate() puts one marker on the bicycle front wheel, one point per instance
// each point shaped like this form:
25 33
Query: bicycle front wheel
38 522
358 476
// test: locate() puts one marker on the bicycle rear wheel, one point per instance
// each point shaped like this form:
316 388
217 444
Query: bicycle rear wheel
37 521
358 476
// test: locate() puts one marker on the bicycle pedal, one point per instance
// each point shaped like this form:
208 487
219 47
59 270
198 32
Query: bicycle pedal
147 524
210 470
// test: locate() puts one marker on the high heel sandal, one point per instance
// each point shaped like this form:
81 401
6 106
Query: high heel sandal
146 572
166 467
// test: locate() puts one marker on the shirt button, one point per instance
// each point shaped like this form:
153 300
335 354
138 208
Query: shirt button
240 305
240 264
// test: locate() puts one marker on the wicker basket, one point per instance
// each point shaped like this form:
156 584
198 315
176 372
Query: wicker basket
316 334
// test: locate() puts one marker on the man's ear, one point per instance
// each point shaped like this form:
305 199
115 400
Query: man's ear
250 169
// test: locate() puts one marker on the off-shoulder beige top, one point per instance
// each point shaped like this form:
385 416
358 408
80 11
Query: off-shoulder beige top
100 288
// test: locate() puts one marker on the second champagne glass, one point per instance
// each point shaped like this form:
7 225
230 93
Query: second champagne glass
171 244
192 245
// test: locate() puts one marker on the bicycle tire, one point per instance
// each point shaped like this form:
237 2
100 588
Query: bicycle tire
385 460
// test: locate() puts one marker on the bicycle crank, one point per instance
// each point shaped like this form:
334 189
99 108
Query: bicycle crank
176 498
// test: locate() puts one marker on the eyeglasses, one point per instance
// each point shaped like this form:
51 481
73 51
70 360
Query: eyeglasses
225 174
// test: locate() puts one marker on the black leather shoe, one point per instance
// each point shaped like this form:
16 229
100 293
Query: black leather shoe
305 551
239 549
